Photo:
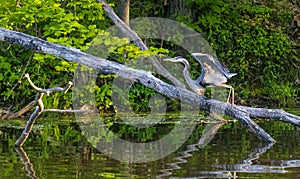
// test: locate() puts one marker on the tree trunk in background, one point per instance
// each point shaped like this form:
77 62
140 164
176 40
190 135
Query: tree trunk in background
123 10
180 7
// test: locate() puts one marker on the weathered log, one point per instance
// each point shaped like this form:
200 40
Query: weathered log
22 111
241 113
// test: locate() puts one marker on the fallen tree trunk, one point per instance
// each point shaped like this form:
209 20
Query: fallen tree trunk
22 111
240 113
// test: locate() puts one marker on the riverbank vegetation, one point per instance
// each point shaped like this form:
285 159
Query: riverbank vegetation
257 39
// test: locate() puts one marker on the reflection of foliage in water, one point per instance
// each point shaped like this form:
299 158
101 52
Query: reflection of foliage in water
57 149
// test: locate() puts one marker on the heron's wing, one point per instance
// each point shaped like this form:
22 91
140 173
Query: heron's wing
210 65
223 69
200 78
212 72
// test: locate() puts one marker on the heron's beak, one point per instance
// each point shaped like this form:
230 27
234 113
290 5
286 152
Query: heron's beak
169 59
198 54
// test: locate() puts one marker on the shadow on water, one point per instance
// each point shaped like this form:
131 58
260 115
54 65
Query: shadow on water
214 150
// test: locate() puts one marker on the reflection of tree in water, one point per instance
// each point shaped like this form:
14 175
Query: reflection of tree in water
26 161
208 134
229 170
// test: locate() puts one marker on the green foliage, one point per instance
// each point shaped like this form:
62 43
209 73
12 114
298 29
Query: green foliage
103 94
139 96
72 23
285 92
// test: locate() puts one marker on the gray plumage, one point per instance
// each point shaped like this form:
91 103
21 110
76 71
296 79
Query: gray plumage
213 73
192 84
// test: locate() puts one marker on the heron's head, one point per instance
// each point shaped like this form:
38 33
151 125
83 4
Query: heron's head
177 59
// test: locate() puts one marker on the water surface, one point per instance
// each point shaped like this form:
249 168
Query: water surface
56 149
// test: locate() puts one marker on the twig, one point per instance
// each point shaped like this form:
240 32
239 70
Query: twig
20 80
23 110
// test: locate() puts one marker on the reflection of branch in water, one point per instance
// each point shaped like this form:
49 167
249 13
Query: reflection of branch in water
26 161
208 134
246 165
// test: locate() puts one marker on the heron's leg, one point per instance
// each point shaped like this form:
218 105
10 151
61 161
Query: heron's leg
228 97
231 91
232 97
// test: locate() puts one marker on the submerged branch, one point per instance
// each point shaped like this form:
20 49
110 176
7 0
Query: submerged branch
241 113
40 108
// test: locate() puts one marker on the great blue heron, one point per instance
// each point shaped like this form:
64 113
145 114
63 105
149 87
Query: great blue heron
196 87
213 74
193 84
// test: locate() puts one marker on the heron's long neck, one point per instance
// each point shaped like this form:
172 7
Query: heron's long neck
187 77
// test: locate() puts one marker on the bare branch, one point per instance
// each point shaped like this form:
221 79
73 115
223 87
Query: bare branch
50 90
32 84
29 125
133 36
40 108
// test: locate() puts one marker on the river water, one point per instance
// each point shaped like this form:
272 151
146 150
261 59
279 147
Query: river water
57 149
